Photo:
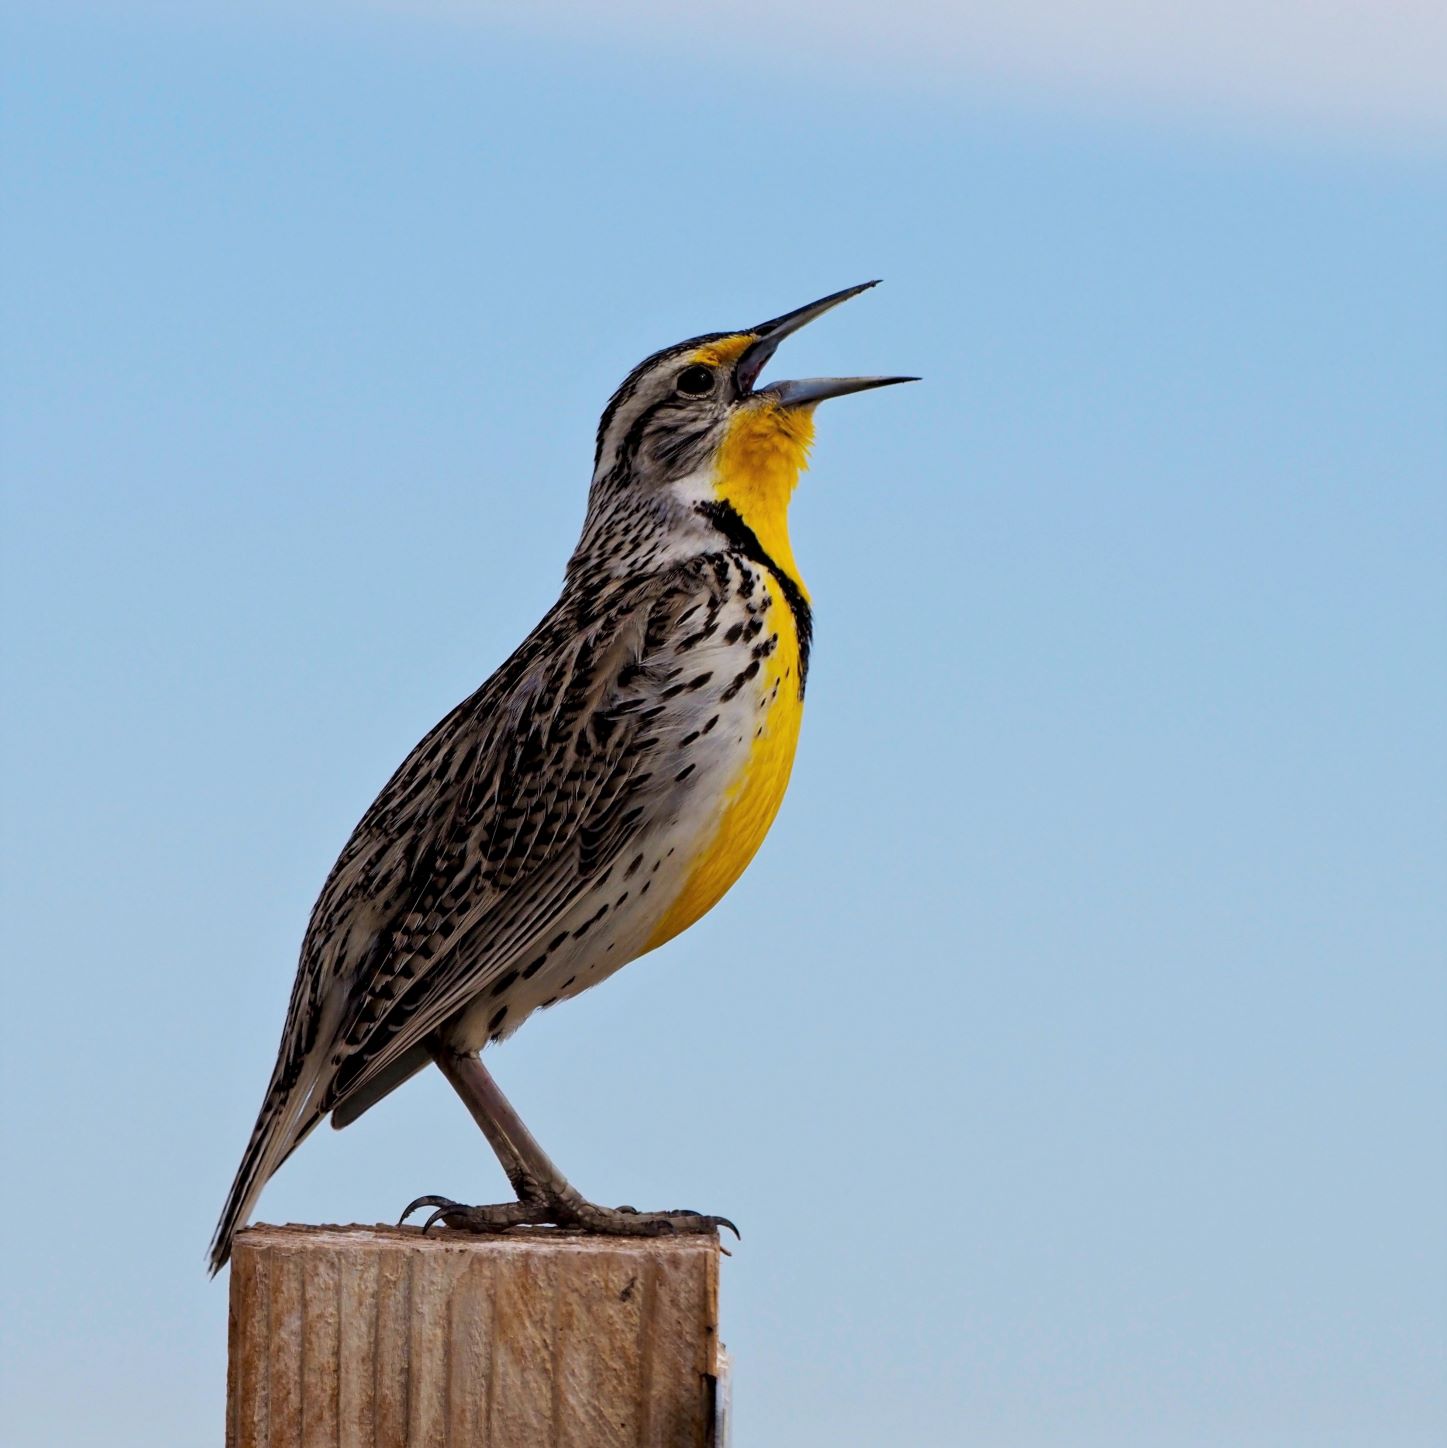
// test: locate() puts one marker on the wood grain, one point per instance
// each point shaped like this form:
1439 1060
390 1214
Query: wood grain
378 1337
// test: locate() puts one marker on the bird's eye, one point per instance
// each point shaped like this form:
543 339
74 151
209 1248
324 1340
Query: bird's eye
695 381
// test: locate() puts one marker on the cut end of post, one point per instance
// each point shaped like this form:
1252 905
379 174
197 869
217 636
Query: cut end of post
381 1336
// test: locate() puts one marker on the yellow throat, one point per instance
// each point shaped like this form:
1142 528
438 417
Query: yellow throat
759 462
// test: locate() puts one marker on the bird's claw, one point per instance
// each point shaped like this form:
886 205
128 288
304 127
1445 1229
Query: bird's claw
567 1213
429 1201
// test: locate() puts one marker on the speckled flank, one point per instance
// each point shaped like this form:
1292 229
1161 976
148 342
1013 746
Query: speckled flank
764 734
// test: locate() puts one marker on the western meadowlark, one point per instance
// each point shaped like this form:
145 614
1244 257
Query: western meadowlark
596 796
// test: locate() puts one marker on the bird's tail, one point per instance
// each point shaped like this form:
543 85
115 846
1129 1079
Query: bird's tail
285 1120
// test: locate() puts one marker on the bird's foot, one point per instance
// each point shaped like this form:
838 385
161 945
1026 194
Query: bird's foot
568 1211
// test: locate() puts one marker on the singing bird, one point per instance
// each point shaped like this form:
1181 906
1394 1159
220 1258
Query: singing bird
599 793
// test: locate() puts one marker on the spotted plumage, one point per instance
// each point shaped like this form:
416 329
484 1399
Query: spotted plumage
605 787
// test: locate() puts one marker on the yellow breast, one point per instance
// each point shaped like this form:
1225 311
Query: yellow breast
752 799
758 465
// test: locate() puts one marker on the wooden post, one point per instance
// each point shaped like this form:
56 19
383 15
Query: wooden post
379 1337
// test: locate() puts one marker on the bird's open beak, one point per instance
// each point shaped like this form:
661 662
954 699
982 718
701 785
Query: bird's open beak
812 389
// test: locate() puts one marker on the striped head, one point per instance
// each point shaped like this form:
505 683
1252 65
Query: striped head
691 436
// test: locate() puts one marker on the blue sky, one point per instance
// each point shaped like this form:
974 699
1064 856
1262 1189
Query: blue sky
1071 1057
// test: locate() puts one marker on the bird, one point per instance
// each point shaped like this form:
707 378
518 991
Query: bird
595 797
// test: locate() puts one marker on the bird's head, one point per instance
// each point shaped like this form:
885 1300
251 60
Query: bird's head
692 426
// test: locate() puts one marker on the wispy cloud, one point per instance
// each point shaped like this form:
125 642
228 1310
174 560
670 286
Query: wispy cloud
1369 68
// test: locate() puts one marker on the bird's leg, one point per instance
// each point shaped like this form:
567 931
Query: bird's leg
545 1196
528 1166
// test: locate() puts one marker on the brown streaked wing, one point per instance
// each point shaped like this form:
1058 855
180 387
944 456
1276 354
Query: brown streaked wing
556 795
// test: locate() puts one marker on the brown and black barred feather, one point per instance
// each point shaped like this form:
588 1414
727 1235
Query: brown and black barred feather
500 820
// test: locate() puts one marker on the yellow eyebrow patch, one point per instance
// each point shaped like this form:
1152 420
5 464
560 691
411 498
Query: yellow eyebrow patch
725 351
